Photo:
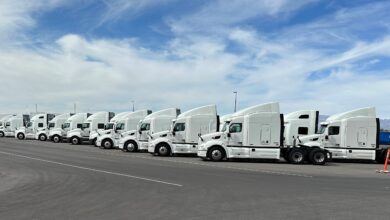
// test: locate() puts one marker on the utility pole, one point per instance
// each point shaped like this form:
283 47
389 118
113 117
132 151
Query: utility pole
133 105
74 108
235 101
36 108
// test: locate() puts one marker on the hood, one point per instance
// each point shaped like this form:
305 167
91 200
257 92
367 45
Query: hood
160 134
208 137
309 138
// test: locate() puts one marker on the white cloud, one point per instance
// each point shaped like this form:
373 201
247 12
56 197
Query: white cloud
196 68
216 15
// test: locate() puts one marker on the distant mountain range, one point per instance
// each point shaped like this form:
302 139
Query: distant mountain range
385 123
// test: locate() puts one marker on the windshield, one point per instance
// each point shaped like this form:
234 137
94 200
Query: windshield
120 126
225 126
144 127
85 126
66 125
109 126
322 129
52 125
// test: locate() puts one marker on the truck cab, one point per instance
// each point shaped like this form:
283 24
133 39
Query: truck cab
55 123
298 125
37 122
183 137
154 123
107 128
3 121
94 122
126 125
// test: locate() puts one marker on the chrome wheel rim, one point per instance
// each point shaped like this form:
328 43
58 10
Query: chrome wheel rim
56 139
107 144
130 147
75 141
297 157
216 154
163 150
319 157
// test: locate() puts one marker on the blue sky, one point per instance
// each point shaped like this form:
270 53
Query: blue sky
332 56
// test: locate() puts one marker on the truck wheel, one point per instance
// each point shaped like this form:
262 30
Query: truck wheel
75 140
317 157
163 150
94 142
56 139
107 144
20 136
2 134
216 154
131 146
42 137
296 156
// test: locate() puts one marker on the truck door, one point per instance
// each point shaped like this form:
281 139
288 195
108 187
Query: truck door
235 147
332 142
179 133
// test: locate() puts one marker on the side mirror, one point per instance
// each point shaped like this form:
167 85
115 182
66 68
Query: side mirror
173 133
140 132
326 137
229 135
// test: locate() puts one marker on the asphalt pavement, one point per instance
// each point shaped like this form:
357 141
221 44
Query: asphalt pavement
44 180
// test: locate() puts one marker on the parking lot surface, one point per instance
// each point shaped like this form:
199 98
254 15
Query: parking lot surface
44 180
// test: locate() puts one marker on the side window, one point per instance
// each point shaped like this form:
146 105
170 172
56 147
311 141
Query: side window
303 130
100 126
303 116
41 117
333 130
179 127
40 125
79 125
235 128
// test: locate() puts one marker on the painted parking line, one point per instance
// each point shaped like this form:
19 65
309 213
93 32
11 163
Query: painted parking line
92 169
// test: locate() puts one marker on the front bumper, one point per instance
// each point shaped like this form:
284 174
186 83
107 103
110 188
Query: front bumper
202 153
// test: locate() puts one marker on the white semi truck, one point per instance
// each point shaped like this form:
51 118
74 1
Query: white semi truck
75 121
183 138
351 135
3 121
151 124
14 123
94 122
107 128
124 126
258 133
36 123
55 123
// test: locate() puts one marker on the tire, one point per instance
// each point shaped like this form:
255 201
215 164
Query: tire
381 157
317 157
107 144
216 154
56 139
75 140
94 142
2 134
20 136
163 150
296 156
42 137
131 146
